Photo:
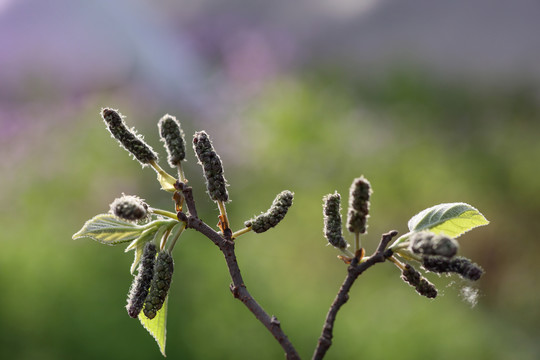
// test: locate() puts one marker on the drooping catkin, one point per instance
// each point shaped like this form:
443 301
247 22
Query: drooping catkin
212 167
358 211
332 221
428 243
459 265
130 208
127 138
172 135
274 215
141 283
161 282
422 286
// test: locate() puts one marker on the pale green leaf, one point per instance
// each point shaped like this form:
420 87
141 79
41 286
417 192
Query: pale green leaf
453 219
157 327
167 181
156 231
110 230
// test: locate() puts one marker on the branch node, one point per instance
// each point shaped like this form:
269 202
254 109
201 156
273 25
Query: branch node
274 321
235 290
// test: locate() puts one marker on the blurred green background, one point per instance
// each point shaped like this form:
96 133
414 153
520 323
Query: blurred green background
302 121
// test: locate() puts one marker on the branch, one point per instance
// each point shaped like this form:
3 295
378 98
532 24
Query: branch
238 288
354 270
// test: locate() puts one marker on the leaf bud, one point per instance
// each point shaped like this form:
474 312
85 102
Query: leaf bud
172 135
422 286
332 221
141 283
428 243
459 265
161 282
274 215
128 138
216 184
359 194
130 208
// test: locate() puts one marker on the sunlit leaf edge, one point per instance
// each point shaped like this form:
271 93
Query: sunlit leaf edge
448 219
157 327
107 226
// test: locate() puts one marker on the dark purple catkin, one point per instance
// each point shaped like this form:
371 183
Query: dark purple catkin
427 243
141 283
459 265
127 137
130 208
358 211
274 215
161 282
422 286
172 135
212 167
332 221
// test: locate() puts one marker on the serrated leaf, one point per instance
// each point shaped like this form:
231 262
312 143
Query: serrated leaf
157 327
452 219
110 230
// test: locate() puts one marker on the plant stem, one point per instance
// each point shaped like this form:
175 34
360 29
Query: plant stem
238 287
165 213
223 213
357 241
240 232
181 173
354 270
176 235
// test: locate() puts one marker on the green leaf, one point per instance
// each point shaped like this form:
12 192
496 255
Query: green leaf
157 327
110 230
167 181
453 219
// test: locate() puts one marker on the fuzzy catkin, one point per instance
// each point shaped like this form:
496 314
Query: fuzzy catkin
422 286
130 208
274 215
161 282
141 283
216 184
427 243
459 265
358 211
127 138
172 135
332 221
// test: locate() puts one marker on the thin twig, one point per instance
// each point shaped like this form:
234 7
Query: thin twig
238 288
354 270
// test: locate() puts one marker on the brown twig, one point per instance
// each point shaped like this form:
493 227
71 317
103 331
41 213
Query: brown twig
353 271
238 288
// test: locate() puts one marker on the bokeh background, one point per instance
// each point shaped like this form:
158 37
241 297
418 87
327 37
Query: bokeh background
433 101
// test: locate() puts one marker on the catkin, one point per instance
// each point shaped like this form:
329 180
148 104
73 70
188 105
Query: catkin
130 208
274 215
332 221
161 282
358 211
172 135
216 184
422 286
129 140
459 265
141 283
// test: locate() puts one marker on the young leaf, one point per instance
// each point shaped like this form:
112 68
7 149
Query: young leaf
154 232
453 219
157 327
110 230
167 181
